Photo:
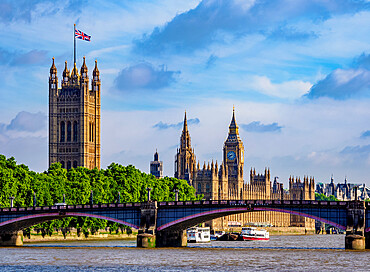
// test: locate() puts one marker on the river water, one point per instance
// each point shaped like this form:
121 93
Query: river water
281 253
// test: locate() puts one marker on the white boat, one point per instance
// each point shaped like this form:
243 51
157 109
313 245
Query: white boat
252 234
198 235
217 234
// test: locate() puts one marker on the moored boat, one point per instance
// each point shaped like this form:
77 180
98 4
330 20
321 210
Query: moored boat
198 235
216 235
252 234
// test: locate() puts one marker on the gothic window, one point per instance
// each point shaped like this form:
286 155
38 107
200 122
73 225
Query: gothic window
74 164
62 162
208 189
69 165
75 131
62 132
89 130
69 131
199 188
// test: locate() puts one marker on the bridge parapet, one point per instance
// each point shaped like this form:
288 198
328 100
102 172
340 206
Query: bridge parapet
255 203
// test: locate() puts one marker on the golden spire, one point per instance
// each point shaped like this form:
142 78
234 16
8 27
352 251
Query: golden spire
84 67
185 123
96 70
74 71
233 128
53 69
66 71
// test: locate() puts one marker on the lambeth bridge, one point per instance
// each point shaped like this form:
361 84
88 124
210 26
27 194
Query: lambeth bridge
163 224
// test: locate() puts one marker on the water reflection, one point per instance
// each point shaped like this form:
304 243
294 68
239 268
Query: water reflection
281 253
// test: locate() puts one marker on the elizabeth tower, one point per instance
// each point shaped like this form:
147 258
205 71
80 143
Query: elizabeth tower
74 118
234 159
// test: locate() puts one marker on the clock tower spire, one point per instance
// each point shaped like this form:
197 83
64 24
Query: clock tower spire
185 161
234 158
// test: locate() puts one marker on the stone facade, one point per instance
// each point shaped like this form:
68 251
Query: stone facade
156 166
185 158
344 191
74 118
226 182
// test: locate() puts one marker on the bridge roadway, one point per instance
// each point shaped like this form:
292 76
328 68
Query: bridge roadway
164 223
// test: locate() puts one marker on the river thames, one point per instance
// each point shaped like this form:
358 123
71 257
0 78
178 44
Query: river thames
281 253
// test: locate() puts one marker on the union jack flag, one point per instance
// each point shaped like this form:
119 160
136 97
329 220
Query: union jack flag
80 35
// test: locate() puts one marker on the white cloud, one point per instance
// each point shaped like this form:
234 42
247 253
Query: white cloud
289 89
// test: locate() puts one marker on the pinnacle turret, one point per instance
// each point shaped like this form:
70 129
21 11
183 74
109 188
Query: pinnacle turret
53 69
185 128
83 70
96 72
233 128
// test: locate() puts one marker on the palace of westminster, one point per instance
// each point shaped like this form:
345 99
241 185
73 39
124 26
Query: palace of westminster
74 140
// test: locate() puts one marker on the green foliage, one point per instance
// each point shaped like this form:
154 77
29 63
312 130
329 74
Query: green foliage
76 184
322 197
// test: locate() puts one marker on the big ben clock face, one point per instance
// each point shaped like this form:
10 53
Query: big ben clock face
231 155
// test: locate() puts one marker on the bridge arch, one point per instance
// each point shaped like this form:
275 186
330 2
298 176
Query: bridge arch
200 217
23 222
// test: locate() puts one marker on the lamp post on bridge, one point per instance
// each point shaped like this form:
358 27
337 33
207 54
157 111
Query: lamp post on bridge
176 194
11 201
34 199
91 197
119 198
148 189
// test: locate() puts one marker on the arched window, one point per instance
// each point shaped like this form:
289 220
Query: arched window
62 132
208 188
199 188
69 165
75 131
69 131
90 131
74 164
62 162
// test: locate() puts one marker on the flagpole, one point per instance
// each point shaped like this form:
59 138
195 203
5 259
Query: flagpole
74 43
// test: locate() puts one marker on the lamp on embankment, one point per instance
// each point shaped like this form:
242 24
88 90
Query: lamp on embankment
176 194
11 201
148 189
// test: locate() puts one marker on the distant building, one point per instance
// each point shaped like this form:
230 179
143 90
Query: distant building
225 181
185 158
156 166
343 191
74 118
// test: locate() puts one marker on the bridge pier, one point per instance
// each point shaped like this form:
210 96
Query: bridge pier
146 236
367 240
172 238
355 242
355 231
12 238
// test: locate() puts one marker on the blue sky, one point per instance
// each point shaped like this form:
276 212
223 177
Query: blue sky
297 71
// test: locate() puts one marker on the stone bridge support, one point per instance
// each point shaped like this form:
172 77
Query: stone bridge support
355 231
172 238
14 238
146 235
149 237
